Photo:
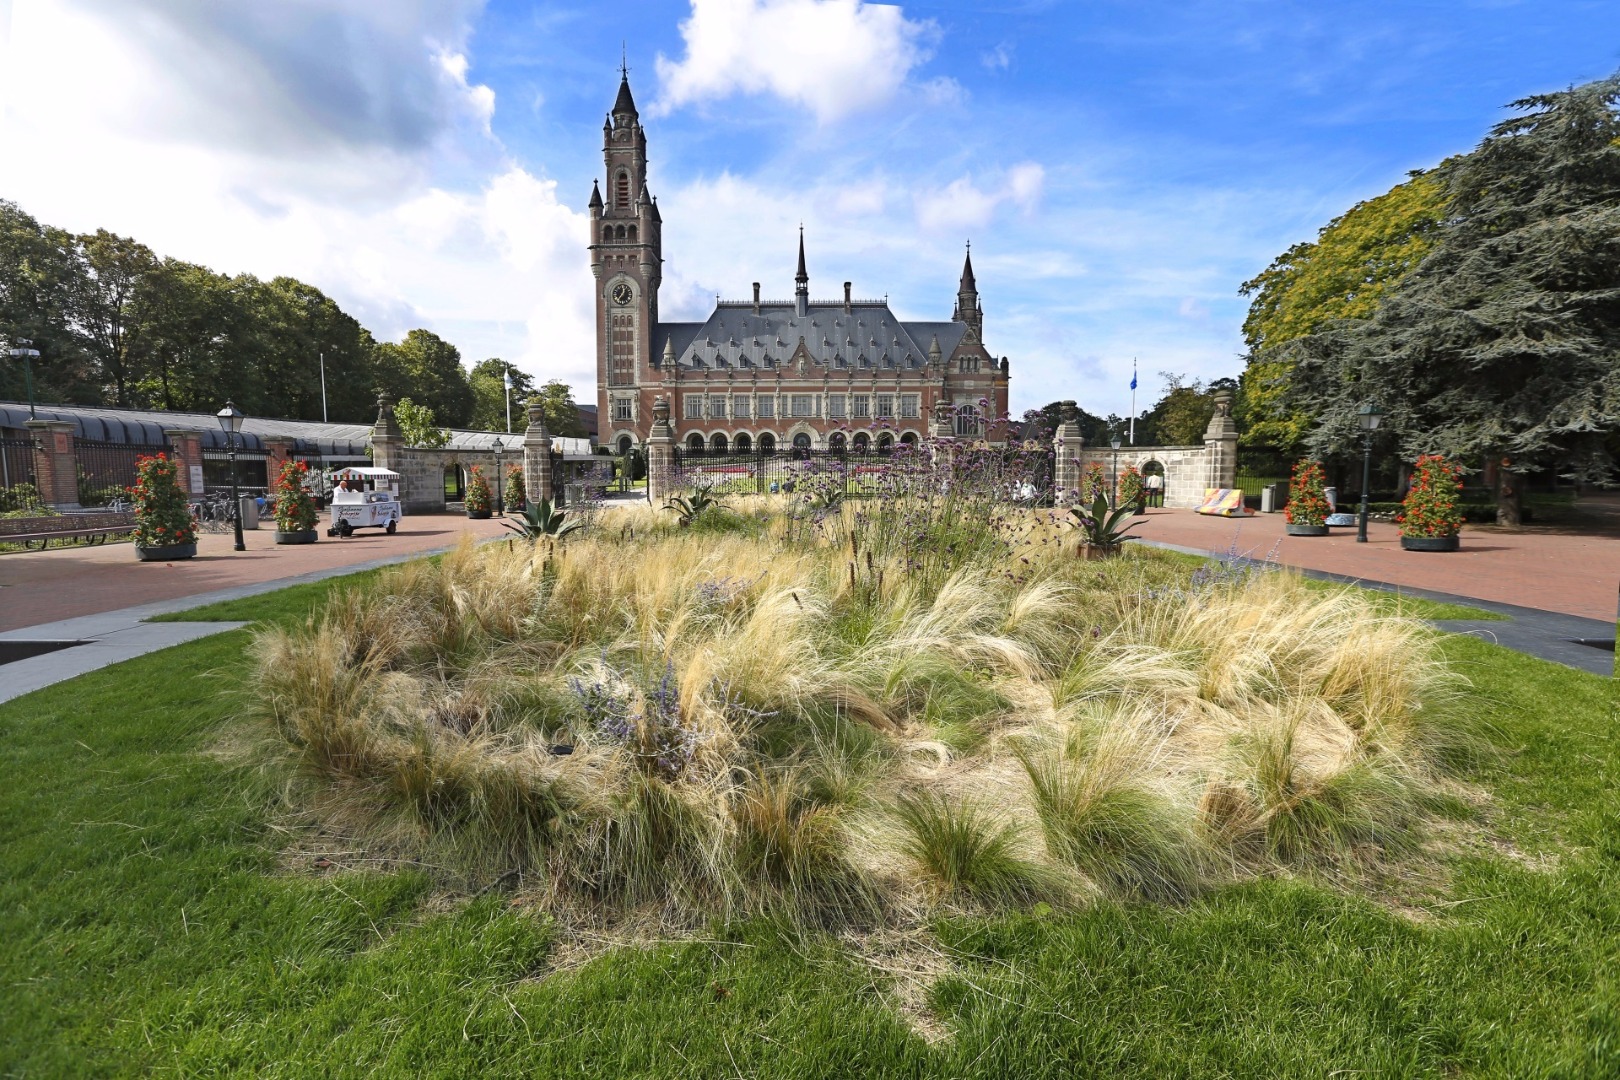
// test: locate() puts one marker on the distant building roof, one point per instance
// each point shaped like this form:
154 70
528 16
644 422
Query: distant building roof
734 337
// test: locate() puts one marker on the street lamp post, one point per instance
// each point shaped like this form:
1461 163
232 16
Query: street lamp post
1368 416
500 479
27 356
323 386
230 421
1113 478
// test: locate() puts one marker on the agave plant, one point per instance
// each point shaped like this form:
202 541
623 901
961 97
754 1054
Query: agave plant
541 519
1100 526
688 508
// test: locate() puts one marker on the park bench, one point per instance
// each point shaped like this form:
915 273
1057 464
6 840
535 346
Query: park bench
91 527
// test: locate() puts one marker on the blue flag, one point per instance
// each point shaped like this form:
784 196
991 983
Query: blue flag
1133 379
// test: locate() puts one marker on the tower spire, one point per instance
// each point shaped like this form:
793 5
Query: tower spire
968 285
801 291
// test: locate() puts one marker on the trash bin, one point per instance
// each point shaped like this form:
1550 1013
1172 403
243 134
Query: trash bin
248 507
1268 499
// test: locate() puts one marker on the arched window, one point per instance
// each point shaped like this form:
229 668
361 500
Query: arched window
631 233
767 442
837 442
717 443
885 443
909 440
862 442
694 442
801 441
625 443
744 443
618 234
621 198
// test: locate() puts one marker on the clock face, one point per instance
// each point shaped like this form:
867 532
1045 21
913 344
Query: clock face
622 294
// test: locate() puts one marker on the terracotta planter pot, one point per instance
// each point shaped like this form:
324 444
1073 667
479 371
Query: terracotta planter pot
297 536
1099 551
1431 543
478 515
1306 530
165 552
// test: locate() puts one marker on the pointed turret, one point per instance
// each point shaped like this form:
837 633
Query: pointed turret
934 352
801 280
967 300
596 198
624 105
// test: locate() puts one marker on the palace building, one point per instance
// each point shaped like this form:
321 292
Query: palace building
766 374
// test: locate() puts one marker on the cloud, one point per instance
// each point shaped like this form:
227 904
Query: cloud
344 144
962 204
998 58
833 57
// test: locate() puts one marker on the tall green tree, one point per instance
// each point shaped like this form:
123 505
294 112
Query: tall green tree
105 301
489 390
1501 346
1343 274
427 369
37 270
562 414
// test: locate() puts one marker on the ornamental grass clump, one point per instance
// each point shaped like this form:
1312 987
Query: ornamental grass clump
1307 495
295 506
1430 508
652 722
162 515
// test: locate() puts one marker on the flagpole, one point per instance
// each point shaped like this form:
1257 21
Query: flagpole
1133 401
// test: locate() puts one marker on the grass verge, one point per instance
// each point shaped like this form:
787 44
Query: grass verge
150 920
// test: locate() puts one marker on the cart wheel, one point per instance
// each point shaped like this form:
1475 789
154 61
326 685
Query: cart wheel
390 529
345 530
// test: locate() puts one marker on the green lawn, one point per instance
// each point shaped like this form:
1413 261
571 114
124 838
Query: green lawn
150 921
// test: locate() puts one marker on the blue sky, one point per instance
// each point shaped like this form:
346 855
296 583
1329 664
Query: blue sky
1121 168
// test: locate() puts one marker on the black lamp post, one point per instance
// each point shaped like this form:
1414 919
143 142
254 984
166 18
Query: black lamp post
27 356
1368 416
1113 479
230 421
500 480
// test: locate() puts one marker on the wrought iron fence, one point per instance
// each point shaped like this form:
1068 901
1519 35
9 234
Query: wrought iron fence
1026 475
1258 466
107 469
17 479
252 470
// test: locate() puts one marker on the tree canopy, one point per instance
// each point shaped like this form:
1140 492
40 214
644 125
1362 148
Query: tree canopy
1343 274
117 325
1501 344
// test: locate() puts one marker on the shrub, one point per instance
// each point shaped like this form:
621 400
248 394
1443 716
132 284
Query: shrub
162 514
479 500
1130 486
517 496
295 506
1430 507
23 500
1093 483
1307 495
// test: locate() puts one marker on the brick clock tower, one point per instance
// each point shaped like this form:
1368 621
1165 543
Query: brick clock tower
627 263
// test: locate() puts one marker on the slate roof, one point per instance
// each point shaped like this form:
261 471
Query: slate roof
734 337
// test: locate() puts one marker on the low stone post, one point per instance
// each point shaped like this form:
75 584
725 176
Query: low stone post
537 455
1220 444
660 448
1067 444
56 464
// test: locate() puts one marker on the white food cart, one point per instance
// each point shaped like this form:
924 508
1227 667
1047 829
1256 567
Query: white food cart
372 501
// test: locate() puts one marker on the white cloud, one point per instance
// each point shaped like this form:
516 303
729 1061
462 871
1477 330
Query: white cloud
342 144
962 204
998 58
833 57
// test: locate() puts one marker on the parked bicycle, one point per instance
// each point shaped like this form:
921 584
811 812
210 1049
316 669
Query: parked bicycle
215 513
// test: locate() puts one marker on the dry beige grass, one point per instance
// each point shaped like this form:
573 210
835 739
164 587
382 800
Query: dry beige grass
671 724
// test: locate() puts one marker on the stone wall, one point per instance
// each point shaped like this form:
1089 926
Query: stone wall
1186 469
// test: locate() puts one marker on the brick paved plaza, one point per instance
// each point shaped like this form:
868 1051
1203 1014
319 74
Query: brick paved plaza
1574 572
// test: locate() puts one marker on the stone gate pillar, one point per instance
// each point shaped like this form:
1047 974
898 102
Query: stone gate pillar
386 438
1220 444
56 463
1067 443
185 446
537 455
660 455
